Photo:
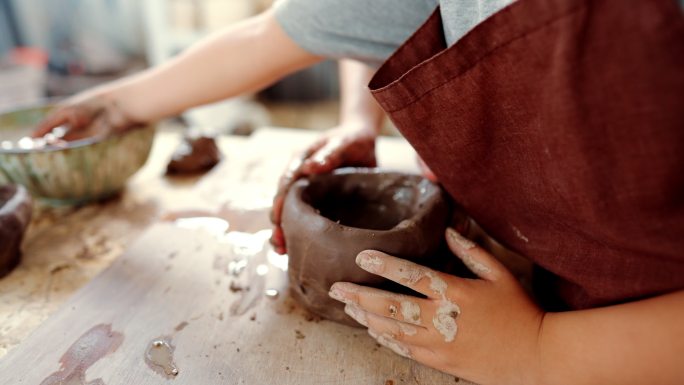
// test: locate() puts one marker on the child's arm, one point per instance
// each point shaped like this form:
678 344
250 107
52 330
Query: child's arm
242 58
636 342
489 331
357 106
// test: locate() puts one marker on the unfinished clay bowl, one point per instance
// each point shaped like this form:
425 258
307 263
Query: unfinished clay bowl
328 219
15 214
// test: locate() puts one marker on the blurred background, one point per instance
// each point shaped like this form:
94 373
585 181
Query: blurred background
55 48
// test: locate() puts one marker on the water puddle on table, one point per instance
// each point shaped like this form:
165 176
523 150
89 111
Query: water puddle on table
246 256
159 357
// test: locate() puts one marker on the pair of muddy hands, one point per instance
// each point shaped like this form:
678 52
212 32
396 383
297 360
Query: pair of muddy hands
459 325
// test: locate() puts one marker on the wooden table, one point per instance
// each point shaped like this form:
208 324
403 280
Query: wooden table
218 299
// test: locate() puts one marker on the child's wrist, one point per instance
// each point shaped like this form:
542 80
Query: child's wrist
539 358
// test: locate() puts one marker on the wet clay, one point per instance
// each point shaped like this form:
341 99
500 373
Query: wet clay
328 219
195 154
159 357
15 215
86 351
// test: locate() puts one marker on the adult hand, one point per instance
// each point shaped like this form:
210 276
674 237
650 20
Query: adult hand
485 330
86 116
345 146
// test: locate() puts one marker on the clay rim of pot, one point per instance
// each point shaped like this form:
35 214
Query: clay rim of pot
427 195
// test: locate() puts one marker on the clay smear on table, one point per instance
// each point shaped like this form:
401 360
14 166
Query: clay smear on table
86 351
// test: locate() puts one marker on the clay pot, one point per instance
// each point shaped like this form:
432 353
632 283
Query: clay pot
15 215
328 219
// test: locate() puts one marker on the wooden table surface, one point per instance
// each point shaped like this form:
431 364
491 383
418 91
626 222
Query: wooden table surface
182 280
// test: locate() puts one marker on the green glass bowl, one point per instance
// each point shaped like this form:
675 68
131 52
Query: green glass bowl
83 171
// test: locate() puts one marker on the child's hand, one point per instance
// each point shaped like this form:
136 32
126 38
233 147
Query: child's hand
485 330
86 116
346 146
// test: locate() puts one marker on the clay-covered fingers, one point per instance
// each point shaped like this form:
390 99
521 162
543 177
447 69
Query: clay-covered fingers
342 151
390 305
48 124
389 342
74 118
293 172
477 259
325 159
426 281
289 176
397 330
278 240
419 353
403 339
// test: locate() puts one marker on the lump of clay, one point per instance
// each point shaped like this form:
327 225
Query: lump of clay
328 219
15 214
195 154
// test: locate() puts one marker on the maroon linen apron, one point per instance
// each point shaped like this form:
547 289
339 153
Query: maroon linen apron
559 126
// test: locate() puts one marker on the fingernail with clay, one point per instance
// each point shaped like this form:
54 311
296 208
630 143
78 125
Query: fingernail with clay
337 294
463 242
357 314
370 262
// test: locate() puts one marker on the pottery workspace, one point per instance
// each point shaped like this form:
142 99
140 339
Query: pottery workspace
357 192
175 282
144 258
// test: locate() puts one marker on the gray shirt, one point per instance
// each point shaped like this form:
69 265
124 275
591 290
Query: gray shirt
370 30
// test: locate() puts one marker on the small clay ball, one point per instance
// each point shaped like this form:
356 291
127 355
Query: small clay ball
328 219
15 215
194 155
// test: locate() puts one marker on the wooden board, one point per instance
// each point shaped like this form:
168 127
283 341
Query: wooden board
168 278
65 248
204 291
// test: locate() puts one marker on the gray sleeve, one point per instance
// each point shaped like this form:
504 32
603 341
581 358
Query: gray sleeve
365 30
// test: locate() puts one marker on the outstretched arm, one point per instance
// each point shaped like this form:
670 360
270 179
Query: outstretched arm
238 59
